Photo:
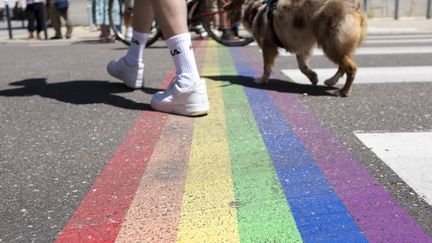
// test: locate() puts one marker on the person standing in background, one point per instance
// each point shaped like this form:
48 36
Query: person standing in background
60 9
35 13
101 18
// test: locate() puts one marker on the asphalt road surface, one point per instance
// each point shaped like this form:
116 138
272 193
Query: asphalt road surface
64 121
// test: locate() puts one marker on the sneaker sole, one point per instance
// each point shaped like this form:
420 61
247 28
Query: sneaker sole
137 85
189 110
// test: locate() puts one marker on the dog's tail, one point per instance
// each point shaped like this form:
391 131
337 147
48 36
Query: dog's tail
334 11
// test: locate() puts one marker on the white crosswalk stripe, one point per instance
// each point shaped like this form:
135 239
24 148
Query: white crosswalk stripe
407 154
404 40
386 50
398 37
413 45
391 74
366 75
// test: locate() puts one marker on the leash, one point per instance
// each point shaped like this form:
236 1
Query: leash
272 6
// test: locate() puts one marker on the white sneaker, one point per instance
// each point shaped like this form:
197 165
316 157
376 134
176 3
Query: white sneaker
133 77
190 102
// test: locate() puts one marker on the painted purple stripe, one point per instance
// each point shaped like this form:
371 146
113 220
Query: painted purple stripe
378 214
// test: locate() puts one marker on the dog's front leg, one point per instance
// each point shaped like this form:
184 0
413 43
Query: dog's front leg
269 54
302 60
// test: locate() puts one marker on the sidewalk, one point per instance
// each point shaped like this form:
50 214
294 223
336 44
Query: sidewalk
80 33
375 26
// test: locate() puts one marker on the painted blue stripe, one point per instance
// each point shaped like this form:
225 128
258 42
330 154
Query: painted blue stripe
319 214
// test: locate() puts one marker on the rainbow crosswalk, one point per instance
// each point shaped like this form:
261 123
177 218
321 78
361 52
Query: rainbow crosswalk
259 168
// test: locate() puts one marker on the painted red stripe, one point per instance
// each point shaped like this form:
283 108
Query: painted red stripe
103 209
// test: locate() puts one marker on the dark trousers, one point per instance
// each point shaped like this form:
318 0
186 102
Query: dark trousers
36 13
56 21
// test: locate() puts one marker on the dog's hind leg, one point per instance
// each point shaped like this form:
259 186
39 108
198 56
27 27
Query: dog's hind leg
341 53
302 61
269 54
333 80
350 69
346 66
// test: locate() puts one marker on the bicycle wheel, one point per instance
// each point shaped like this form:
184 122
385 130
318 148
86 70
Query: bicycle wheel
224 26
154 34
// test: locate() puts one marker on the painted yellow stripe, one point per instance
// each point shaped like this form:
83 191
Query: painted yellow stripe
208 213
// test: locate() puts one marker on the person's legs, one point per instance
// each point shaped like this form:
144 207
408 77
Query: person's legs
142 21
55 21
171 15
40 18
31 20
69 26
130 68
187 95
104 32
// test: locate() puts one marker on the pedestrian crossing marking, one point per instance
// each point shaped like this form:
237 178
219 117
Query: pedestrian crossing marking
411 30
385 39
399 41
386 50
371 37
367 75
407 154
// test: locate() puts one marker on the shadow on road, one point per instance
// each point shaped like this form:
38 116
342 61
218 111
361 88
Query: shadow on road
79 92
276 85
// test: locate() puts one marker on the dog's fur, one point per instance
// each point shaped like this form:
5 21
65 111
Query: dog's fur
337 26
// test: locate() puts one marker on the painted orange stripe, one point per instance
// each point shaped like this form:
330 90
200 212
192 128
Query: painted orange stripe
155 210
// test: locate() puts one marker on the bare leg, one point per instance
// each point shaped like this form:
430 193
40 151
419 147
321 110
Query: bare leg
172 16
304 68
188 93
130 68
142 16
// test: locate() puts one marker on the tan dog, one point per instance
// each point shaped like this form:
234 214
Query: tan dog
337 26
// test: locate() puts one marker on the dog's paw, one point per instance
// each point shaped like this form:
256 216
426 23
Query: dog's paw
342 93
331 82
314 79
260 80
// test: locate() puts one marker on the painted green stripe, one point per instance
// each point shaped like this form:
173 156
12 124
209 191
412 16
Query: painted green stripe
262 210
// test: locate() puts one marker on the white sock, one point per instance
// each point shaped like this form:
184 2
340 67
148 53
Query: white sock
180 47
129 31
135 52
